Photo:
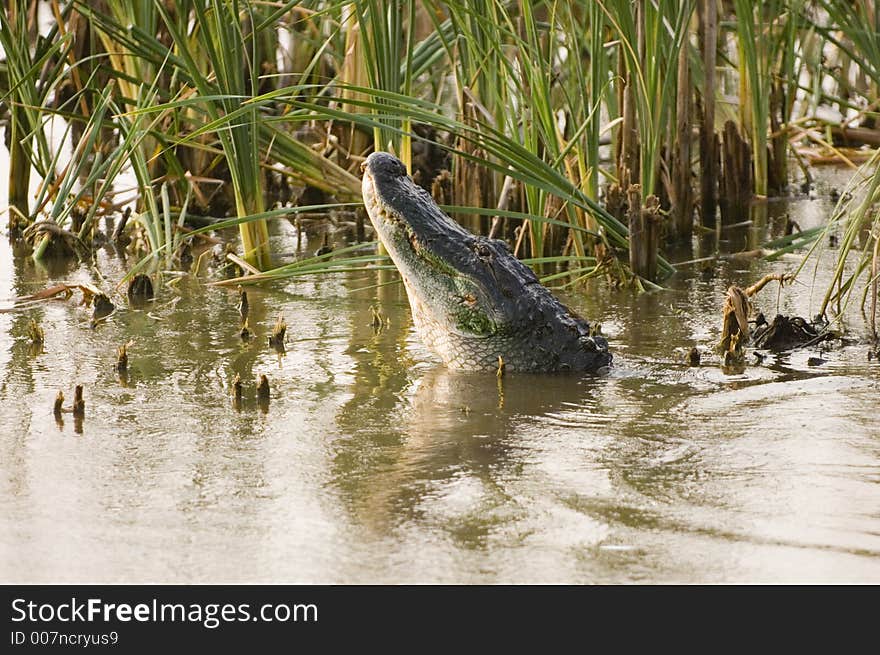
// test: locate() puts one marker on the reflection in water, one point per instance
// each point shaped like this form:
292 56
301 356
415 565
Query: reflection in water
373 463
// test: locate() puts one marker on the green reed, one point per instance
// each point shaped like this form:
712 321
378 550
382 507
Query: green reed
190 94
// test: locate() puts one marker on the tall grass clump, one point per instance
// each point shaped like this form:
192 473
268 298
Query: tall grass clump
650 42
221 60
514 101
32 77
858 253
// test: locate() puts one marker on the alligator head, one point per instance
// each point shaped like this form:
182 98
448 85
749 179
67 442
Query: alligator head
472 300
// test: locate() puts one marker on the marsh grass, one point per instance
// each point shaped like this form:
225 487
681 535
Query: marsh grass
200 99
32 76
857 219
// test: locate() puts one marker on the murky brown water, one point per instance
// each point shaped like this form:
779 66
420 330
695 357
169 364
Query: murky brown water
376 464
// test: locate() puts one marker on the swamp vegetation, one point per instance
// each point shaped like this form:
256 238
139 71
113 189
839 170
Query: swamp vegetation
186 236
589 136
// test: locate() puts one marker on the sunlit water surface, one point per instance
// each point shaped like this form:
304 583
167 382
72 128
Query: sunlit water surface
374 463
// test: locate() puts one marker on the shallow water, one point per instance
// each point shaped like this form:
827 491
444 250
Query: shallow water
374 463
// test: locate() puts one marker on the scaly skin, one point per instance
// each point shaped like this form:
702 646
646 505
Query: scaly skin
472 301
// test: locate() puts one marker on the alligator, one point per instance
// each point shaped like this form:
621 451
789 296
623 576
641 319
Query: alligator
473 302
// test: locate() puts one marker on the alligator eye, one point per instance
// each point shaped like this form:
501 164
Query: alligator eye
483 251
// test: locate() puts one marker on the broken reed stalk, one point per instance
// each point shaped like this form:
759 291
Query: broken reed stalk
472 183
122 359
777 169
735 321
735 182
36 334
263 389
683 198
708 32
279 331
644 232
79 405
19 174
353 141
874 267
140 290
236 391
263 394
628 161
243 305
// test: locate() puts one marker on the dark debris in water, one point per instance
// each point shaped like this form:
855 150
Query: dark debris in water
140 290
102 307
788 333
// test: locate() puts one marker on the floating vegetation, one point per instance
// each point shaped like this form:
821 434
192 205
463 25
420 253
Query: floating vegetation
786 333
735 331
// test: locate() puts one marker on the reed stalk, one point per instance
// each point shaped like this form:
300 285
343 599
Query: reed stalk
708 33
31 76
681 191
226 77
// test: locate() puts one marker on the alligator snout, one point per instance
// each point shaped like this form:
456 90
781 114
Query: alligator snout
473 302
